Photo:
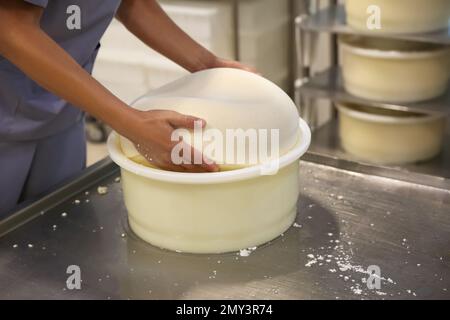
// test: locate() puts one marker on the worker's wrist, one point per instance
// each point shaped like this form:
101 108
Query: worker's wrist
205 60
125 120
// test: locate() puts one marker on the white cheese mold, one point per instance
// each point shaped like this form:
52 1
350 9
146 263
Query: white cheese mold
219 211
392 70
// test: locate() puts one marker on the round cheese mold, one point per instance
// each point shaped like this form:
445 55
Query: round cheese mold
219 211
392 70
388 136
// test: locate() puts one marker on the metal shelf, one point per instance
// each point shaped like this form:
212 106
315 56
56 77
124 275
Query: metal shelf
333 20
325 145
329 84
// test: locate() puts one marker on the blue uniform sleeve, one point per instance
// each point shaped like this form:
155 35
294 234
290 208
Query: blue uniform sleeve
40 3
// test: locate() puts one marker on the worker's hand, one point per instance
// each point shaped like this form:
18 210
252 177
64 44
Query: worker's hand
223 63
152 132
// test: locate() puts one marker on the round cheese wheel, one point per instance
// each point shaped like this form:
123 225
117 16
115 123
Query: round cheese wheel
236 105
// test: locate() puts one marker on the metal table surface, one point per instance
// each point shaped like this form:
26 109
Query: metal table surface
347 222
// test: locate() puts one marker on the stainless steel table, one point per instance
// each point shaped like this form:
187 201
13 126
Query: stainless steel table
347 222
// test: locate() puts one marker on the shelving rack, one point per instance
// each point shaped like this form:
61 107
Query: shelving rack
325 147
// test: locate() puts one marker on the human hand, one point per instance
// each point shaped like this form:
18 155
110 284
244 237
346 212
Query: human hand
151 134
224 63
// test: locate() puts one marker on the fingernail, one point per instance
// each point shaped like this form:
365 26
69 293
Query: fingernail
203 122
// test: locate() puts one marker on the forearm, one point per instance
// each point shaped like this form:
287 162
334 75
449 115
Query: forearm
41 59
147 21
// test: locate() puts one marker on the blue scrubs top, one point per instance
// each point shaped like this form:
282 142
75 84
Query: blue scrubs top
29 112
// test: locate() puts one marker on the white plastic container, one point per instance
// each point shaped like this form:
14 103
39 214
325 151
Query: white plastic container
227 210
400 16
210 212
263 41
255 15
129 68
389 137
209 23
392 70
266 48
